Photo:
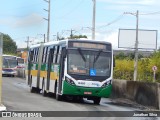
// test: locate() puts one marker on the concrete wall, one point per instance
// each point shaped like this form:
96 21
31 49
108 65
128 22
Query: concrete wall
141 92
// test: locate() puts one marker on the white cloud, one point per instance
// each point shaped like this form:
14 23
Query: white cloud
21 44
129 2
26 21
112 38
29 20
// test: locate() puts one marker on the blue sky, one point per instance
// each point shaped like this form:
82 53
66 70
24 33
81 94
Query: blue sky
22 18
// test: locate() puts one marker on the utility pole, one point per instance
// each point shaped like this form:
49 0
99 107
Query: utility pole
1 61
44 37
136 44
27 41
57 36
71 33
48 28
93 20
2 107
136 49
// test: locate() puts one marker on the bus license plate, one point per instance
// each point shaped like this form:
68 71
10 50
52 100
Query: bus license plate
87 93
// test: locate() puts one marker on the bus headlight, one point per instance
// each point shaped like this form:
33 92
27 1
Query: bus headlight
71 82
107 83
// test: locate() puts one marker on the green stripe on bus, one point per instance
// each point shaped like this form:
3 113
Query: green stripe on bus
44 67
33 66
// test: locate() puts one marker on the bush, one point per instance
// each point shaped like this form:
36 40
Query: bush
124 68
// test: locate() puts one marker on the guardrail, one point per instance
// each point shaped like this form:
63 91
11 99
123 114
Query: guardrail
142 92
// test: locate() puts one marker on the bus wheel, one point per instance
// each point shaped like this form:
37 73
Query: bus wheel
32 89
97 100
58 97
44 93
78 99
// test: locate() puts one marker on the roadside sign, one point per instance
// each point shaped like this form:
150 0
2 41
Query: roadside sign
154 68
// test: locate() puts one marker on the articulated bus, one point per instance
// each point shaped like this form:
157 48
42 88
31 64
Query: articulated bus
75 68
9 56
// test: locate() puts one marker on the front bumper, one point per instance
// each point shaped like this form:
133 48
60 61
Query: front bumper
80 91
9 73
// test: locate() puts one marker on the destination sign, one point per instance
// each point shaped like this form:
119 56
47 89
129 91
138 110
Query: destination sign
88 45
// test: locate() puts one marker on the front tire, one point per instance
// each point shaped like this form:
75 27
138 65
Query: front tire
58 97
97 100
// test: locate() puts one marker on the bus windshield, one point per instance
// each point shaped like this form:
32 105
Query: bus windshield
20 60
9 63
90 63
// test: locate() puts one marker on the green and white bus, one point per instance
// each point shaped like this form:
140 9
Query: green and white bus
75 68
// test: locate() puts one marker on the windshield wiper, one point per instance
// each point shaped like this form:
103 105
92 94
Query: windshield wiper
80 52
97 56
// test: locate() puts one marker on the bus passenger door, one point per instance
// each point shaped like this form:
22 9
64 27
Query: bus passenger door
61 71
50 58
30 58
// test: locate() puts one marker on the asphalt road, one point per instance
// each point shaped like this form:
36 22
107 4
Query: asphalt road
17 97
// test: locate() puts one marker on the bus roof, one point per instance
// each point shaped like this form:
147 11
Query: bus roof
66 41
9 55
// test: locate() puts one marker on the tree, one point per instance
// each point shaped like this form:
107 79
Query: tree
120 56
77 36
9 46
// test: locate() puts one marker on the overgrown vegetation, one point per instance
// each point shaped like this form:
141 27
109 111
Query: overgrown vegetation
9 46
124 68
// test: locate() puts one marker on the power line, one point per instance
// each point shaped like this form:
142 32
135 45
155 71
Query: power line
27 41
65 4
110 23
114 21
152 13
73 10
122 15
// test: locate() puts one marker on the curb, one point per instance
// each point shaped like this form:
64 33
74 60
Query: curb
129 103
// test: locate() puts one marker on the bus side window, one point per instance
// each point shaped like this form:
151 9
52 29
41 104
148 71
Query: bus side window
59 54
31 55
44 54
54 54
34 50
47 54
37 55
56 61
64 51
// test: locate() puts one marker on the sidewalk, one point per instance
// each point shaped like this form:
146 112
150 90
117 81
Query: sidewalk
129 103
